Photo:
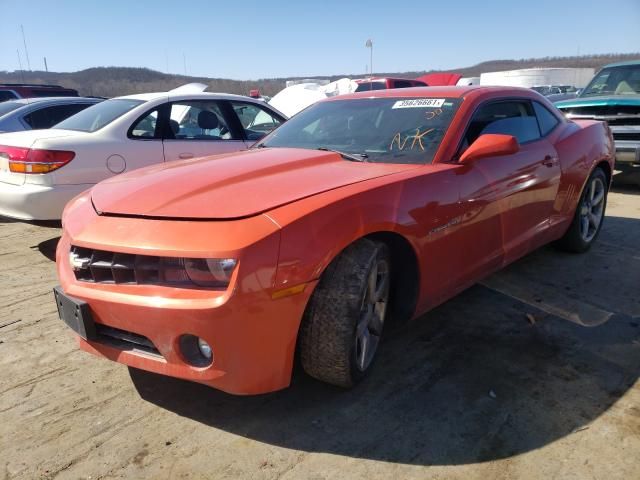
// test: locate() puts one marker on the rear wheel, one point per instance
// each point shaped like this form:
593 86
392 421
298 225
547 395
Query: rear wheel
589 215
343 324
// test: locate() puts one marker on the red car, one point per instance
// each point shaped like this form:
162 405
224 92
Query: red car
383 83
361 211
12 91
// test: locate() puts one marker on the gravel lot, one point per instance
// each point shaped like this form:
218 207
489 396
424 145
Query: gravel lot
501 382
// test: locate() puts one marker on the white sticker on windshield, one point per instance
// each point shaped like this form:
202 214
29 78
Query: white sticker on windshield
419 103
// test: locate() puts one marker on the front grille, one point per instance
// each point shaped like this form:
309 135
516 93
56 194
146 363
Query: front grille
100 266
603 110
123 340
624 121
633 136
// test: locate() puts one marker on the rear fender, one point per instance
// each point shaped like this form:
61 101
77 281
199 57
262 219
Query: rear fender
580 151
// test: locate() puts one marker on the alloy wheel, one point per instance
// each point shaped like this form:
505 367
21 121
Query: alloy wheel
372 314
592 209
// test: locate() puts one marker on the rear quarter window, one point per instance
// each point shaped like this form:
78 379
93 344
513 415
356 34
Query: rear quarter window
547 120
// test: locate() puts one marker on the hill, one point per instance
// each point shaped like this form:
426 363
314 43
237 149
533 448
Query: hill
114 81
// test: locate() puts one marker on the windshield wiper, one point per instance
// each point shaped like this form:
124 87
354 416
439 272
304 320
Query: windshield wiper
354 157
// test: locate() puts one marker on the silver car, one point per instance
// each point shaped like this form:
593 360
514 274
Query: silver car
38 113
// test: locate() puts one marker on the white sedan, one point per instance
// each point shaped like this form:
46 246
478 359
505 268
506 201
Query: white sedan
41 170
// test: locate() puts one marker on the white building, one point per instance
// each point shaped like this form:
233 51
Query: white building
532 77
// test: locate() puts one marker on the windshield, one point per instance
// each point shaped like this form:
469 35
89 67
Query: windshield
99 115
623 80
6 107
382 130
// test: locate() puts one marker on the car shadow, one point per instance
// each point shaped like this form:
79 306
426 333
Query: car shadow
48 248
37 223
482 377
626 182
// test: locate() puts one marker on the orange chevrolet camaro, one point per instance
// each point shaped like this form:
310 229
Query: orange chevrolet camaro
361 211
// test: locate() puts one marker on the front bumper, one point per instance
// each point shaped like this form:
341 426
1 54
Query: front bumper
627 153
627 142
253 337
36 202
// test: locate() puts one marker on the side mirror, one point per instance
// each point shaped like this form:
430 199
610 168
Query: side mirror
490 145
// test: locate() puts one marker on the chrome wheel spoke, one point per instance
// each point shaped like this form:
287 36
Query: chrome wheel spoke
382 287
597 199
584 226
372 314
592 190
365 320
364 349
377 321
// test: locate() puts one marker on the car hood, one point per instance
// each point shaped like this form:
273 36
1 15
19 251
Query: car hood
28 138
601 101
233 185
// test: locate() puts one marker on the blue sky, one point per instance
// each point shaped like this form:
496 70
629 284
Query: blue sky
270 38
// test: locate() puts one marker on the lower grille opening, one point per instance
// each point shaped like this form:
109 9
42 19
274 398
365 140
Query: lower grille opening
123 340
627 136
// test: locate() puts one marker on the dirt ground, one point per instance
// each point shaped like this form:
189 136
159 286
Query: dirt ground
501 382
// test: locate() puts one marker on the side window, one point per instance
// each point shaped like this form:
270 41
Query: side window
7 95
198 120
514 118
49 116
146 126
402 84
546 119
255 120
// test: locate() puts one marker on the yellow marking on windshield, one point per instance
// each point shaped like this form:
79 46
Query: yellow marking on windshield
433 113
417 139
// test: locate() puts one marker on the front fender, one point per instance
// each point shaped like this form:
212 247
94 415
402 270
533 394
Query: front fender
310 242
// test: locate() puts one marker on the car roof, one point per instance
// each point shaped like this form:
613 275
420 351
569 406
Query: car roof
147 97
623 64
32 100
380 79
431 92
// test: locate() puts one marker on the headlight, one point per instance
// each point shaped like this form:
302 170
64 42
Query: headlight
210 272
100 266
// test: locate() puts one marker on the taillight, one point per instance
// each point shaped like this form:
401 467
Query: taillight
35 160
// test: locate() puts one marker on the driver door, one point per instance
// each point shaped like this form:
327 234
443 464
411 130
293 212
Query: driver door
506 200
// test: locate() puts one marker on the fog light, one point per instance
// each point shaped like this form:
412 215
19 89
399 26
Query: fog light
205 349
195 350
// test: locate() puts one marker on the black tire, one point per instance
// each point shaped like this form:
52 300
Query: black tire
329 332
573 240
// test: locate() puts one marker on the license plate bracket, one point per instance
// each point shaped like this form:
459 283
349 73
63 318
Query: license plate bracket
76 314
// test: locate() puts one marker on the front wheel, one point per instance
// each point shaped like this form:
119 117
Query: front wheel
343 324
589 215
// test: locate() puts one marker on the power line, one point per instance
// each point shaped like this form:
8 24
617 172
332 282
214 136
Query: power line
25 48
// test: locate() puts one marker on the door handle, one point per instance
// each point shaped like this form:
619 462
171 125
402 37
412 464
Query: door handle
185 155
549 161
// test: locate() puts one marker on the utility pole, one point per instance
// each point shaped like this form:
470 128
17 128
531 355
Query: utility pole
46 68
24 41
20 63
369 45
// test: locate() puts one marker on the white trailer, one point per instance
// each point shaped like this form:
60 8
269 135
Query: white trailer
533 77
